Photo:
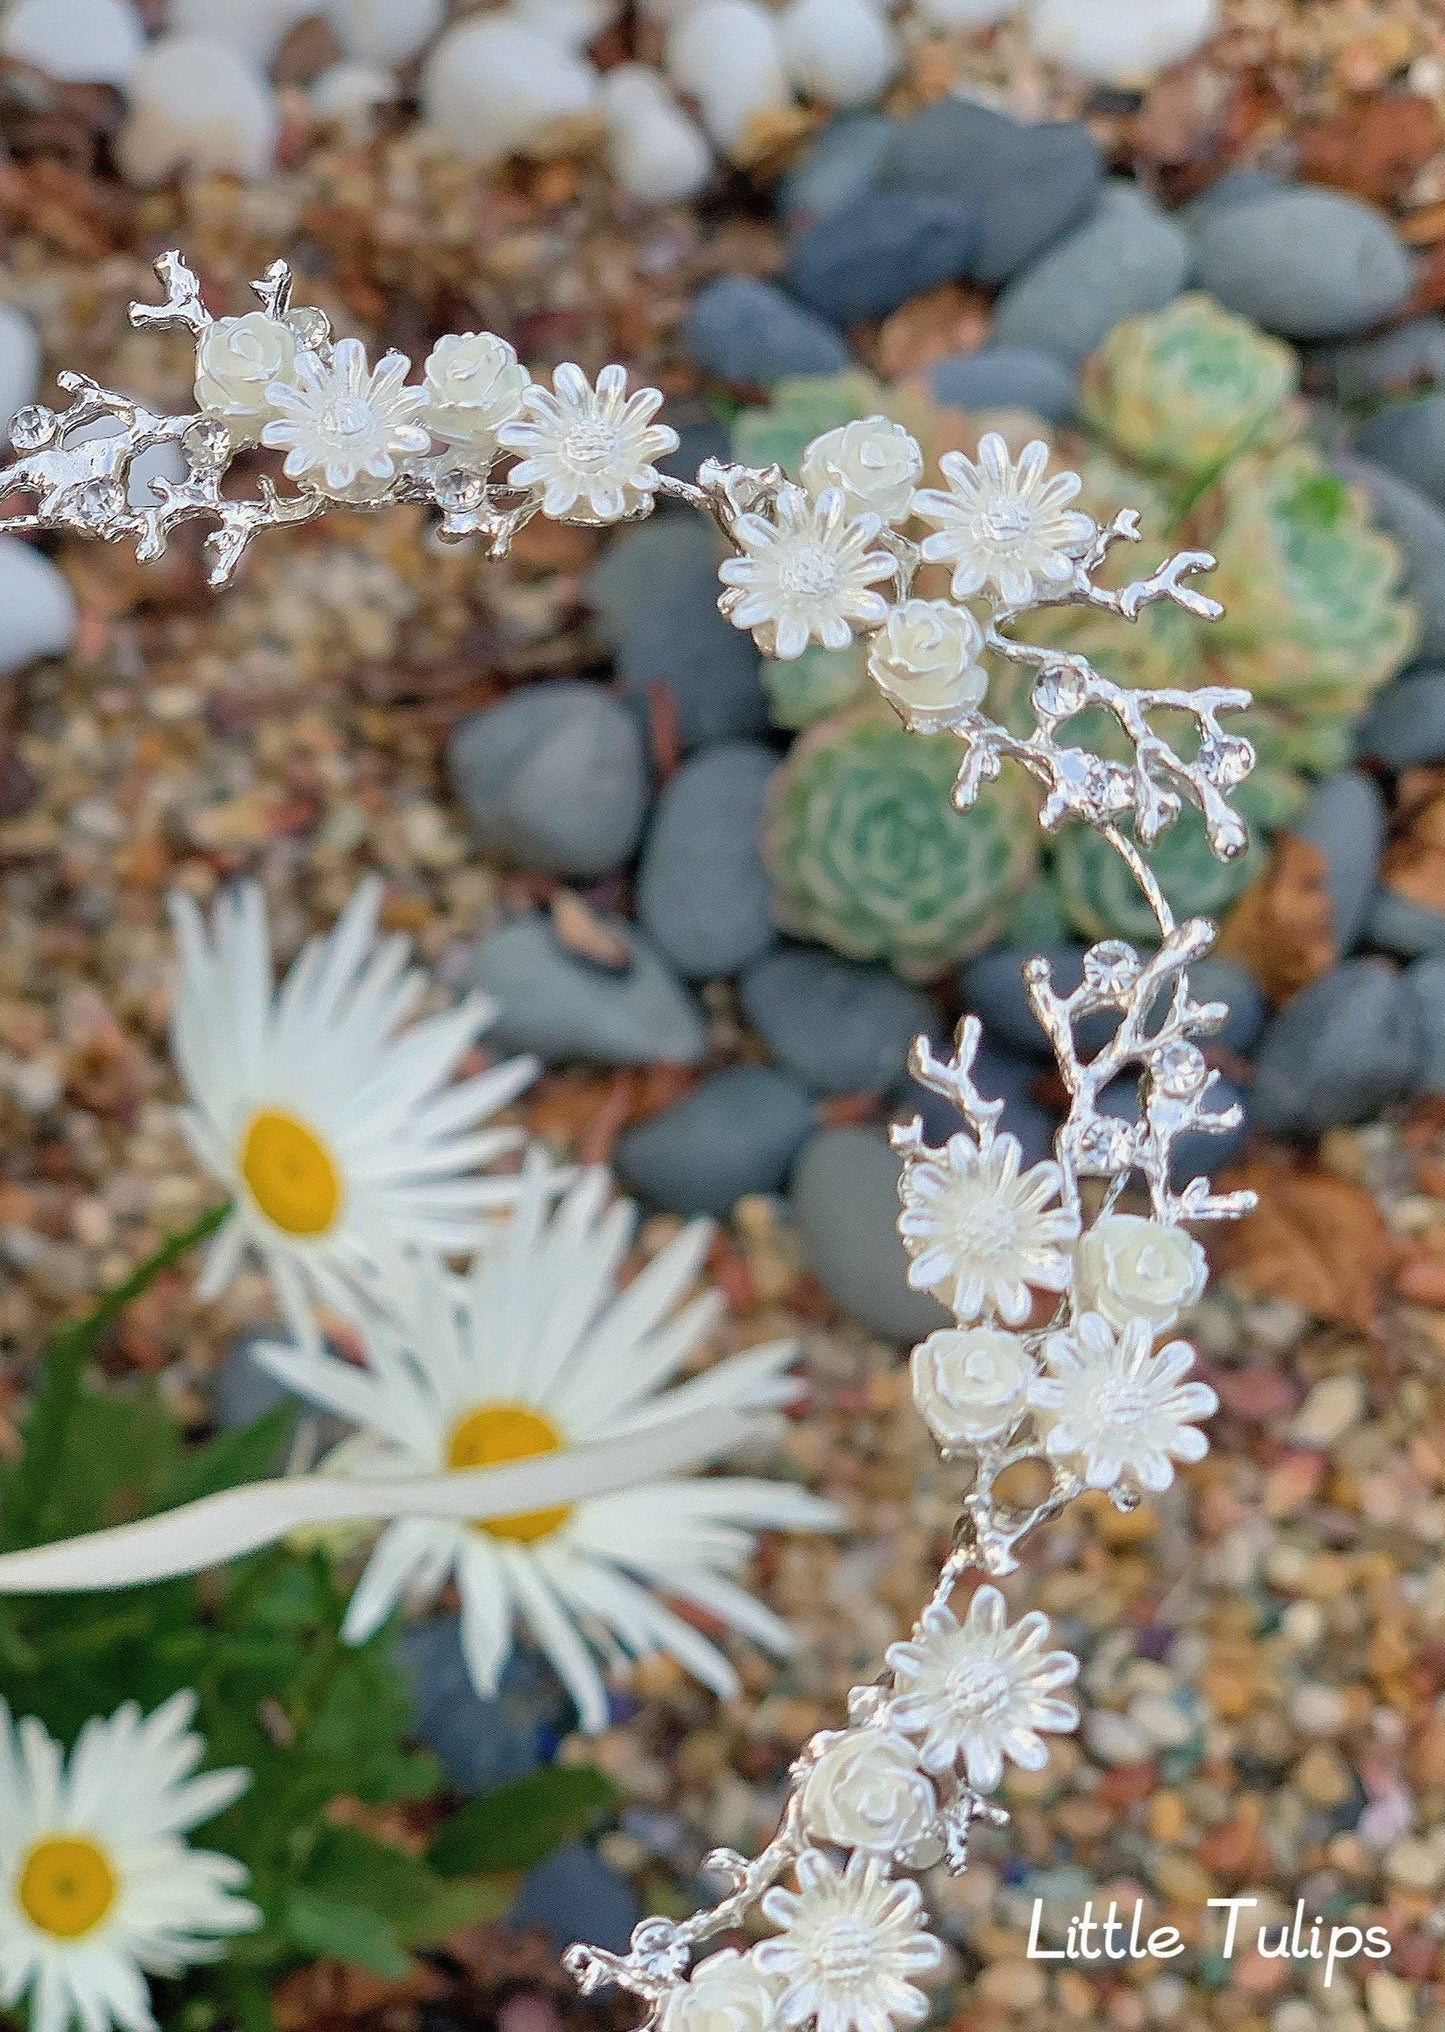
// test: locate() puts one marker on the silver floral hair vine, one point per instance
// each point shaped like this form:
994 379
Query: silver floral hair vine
1063 1299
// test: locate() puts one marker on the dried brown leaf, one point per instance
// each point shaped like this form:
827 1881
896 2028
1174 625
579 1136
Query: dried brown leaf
1281 927
1314 1238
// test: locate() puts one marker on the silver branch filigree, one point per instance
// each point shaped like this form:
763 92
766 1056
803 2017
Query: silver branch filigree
1062 1289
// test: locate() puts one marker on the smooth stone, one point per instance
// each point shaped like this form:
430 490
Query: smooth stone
735 1133
1399 925
1425 980
726 55
655 592
839 53
703 895
386 32
1126 259
1214 979
999 1077
195 104
81 42
654 150
747 331
1405 726
481 1742
878 252
1006 377
1418 527
1120 42
1399 361
256 29
845 1200
1408 440
840 1026
1236 187
574 1895
554 777
37 607
563 1007
1310 263
492 86
240 1390
839 166
1025 182
19 362
1346 820
701 435
1346 1046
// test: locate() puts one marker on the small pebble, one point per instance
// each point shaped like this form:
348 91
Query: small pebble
37 608
81 42
840 52
255 30
493 87
553 776
1418 527
655 151
1334 1407
735 1133
749 332
1025 182
1425 979
563 1007
383 32
1305 262
1346 819
840 1026
481 1743
348 94
1397 924
1408 356
1006 377
1115 1738
1126 258
845 1200
876 253
196 105
839 165
703 894
241 1391
1347 1046
1236 187
574 1895
1120 42
726 55
19 362
1408 440
656 594
1405 725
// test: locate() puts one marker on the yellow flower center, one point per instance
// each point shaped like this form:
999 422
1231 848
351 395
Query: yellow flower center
66 1886
290 1173
490 1433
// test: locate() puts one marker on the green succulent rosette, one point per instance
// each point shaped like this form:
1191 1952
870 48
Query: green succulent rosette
867 855
809 687
1186 389
800 409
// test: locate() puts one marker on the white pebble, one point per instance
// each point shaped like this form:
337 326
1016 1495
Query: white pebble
653 149
964 13
842 52
196 105
493 88
37 607
81 42
726 54
384 31
1120 42
348 93
573 23
19 361
254 28
1334 1405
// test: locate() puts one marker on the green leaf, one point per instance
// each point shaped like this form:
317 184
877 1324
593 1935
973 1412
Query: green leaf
232 1458
321 1925
520 1824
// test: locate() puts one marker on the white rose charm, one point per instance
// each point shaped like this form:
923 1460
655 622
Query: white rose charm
971 1384
867 1792
236 360
1132 1268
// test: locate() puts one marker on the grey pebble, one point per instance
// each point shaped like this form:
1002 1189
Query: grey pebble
1409 356
701 435
1025 181
574 1895
1405 725
553 1002
1408 440
1418 527
703 894
241 1391
1346 820
1408 929
481 1742
878 252
839 1026
748 331
993 987
737 1132
845 1200
840 164
1346 1046
655 591
1309 263
1425 980
1243 186
1126 258
1007 377
554 777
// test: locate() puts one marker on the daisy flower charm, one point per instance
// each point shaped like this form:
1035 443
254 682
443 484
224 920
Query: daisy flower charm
981 1231
533 1352
343 425
850 1944
99 1884
1119 1407
589 452
807 575
340 1142
1004 525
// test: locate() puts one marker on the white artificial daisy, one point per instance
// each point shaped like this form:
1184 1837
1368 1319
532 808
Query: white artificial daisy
589 452
340 1141
982 1689
99 1885
343 425
875 462
805 576
1004 525
981 1230
850 1944
1118 1407
536 1351
1129 1267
